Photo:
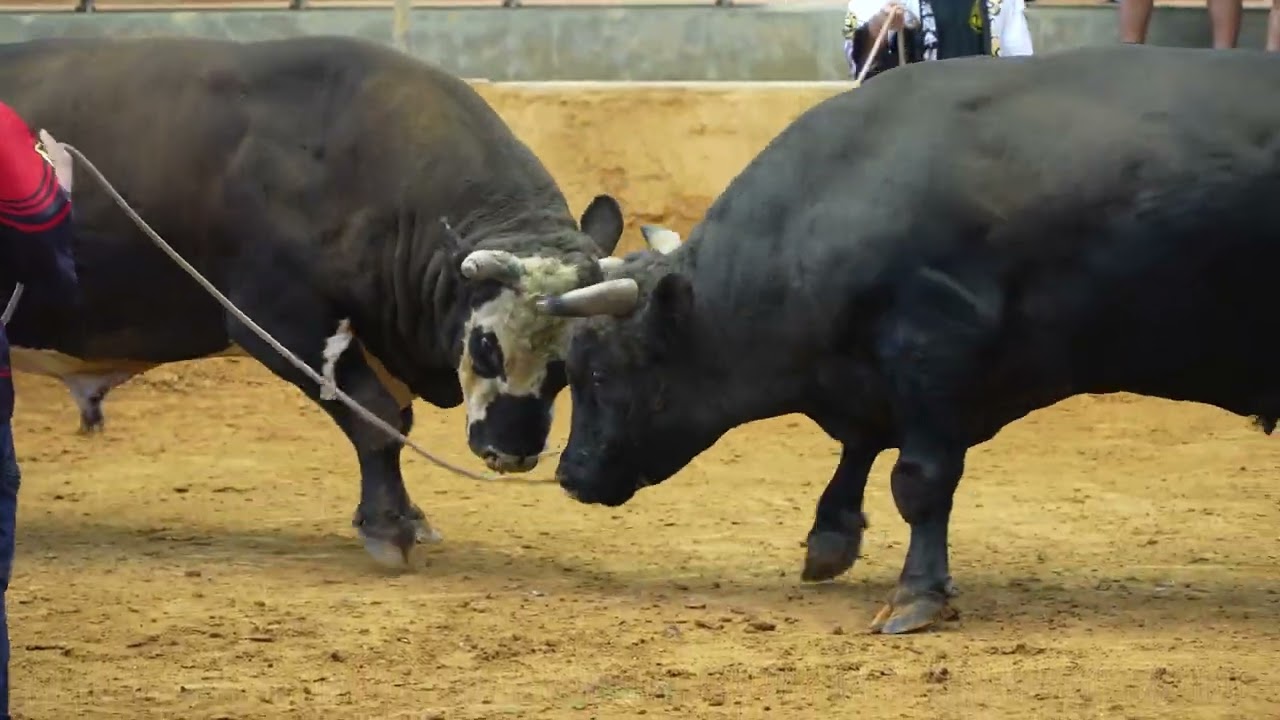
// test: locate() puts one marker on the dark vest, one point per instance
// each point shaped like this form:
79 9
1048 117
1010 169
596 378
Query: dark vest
961 31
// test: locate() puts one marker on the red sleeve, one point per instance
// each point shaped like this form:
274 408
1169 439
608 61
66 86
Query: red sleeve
30 198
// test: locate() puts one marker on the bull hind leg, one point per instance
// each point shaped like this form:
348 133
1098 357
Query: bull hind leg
924 481
934 347
88 392
388 522
835 539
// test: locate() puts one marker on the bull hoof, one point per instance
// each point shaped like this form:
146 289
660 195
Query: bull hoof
911 612
390 540
91 424
829 554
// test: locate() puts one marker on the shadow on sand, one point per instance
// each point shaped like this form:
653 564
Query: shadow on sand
985 598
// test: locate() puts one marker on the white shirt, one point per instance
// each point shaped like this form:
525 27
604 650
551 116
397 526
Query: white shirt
1010 34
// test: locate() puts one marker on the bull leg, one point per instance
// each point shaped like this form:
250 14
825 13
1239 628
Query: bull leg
924 482
836 537
388 522
948 317
88 392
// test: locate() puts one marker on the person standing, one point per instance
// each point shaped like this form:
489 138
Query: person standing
35 250
1273 27
932 30
1224 17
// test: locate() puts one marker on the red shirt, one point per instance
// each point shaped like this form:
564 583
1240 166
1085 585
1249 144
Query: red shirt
36 241
30 200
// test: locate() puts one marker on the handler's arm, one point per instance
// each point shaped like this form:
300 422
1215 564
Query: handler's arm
863 21
36 212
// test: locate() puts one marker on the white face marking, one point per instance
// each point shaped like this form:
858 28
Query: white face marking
335 345
529 339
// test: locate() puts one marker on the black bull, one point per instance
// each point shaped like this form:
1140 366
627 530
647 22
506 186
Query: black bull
312 181
920 262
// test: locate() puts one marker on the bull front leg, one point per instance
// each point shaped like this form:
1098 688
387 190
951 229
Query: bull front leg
835 539
388 522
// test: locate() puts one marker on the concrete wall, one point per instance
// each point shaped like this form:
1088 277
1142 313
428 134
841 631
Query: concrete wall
617 43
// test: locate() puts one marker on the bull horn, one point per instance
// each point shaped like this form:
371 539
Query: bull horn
611 297
497 265
609 264
664 240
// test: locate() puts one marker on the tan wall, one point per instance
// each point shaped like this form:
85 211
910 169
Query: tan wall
664 151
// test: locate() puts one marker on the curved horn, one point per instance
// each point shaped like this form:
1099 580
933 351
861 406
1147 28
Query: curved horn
611 297
662 239
497 265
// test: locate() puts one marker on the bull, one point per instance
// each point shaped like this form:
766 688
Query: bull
1094 221
318 183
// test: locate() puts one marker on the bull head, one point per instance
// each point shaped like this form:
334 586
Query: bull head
616 297
512 355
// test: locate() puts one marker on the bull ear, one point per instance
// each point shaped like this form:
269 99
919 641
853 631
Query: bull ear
670 312
602 220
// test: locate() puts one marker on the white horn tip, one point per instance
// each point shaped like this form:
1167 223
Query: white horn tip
662 239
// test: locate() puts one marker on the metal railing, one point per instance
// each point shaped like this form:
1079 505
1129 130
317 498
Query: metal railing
91 6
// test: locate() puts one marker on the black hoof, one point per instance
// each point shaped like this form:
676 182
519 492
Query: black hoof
913 611
92 422
390 538
830 553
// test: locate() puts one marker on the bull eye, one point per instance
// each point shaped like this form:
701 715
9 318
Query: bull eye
486 354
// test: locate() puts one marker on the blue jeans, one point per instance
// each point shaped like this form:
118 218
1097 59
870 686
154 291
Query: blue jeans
10 479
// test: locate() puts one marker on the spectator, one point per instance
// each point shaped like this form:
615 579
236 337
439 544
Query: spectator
1224 16
1273 27
35 250
933 30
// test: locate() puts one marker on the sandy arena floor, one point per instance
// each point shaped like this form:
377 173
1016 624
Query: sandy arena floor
1117 556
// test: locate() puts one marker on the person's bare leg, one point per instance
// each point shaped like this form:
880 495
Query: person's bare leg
1273 27
1134 17
1224 15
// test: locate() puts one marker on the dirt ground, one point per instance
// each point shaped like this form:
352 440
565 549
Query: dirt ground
1117 557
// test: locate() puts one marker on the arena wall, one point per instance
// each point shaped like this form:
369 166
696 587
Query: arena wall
664 151
689 42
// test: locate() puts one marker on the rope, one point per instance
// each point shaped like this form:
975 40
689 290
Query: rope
875 47
257 330
13 304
